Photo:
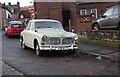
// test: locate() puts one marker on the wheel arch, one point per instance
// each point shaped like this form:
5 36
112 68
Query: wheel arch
94 24
35 41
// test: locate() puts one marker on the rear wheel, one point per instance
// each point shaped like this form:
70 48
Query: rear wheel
96 27
23 44
8 35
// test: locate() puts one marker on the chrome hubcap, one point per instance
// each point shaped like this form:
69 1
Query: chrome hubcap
95 27
37 50
23 44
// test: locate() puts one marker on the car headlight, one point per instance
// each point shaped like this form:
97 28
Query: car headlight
75 37
44 38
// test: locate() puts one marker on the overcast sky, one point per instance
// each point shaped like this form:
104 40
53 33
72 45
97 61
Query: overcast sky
22 2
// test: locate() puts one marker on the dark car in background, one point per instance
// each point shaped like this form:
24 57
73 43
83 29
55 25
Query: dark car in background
109 20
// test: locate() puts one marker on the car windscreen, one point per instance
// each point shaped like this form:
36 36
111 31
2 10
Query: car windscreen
47 24
17 26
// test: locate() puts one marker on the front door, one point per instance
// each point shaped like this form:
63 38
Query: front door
66 19
106 18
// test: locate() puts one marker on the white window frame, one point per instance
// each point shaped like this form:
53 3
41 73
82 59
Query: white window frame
95 12
81 12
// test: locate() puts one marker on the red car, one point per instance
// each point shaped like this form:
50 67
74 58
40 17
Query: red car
14 28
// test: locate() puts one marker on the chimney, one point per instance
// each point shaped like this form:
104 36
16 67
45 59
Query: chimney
9 3
4 3
18 3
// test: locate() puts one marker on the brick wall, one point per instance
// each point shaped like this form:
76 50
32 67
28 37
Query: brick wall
53 10
49 10
0 18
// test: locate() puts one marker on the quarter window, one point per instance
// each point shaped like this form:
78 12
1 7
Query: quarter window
115 10
31 26
28 27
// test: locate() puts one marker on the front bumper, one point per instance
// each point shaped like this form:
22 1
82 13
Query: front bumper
72 47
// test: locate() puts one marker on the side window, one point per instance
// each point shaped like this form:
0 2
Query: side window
32 26
109 12
28 26
115 10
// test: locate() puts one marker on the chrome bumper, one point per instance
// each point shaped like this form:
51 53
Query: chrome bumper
73 47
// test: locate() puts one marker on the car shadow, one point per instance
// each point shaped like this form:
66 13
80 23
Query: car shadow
54 53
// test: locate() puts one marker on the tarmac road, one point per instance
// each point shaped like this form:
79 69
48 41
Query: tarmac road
25 62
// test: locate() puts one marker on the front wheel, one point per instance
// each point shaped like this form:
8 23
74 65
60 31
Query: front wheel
96 27
37 49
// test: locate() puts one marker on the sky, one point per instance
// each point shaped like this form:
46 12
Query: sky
30 2
22 2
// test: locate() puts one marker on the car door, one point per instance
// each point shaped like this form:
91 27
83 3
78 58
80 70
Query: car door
115 18
31 34
27 33
106 18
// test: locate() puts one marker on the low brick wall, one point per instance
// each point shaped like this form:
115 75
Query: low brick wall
110 35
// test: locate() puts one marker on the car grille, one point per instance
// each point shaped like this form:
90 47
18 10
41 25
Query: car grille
53 41
58 41
67 41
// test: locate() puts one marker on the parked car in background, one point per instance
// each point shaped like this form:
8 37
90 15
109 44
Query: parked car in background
14 28
43 34
109 20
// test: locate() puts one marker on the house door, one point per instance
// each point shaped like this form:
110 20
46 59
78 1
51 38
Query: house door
66 19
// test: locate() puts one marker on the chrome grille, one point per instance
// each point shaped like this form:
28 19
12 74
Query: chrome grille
53 41
67 41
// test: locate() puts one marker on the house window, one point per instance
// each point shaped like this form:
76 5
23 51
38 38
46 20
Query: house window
88 15
12 10
94 11
83 12
88 11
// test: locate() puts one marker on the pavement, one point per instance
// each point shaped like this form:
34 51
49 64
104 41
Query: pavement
100 52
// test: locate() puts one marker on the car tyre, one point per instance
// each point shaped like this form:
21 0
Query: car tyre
23 45
96 27
37 50
8 35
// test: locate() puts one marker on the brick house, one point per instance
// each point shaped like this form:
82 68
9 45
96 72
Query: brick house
1 12
87 12
24 14
15 9
73 15
4 15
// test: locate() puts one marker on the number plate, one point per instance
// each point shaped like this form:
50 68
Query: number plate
17 34
62 48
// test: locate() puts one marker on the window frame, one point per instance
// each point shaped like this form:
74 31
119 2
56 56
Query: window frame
28 26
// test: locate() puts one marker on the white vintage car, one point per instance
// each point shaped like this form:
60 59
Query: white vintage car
44 34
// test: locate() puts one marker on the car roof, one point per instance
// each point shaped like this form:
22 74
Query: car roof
15 22
40 20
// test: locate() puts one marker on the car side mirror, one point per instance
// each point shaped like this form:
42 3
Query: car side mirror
36 30
103 16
